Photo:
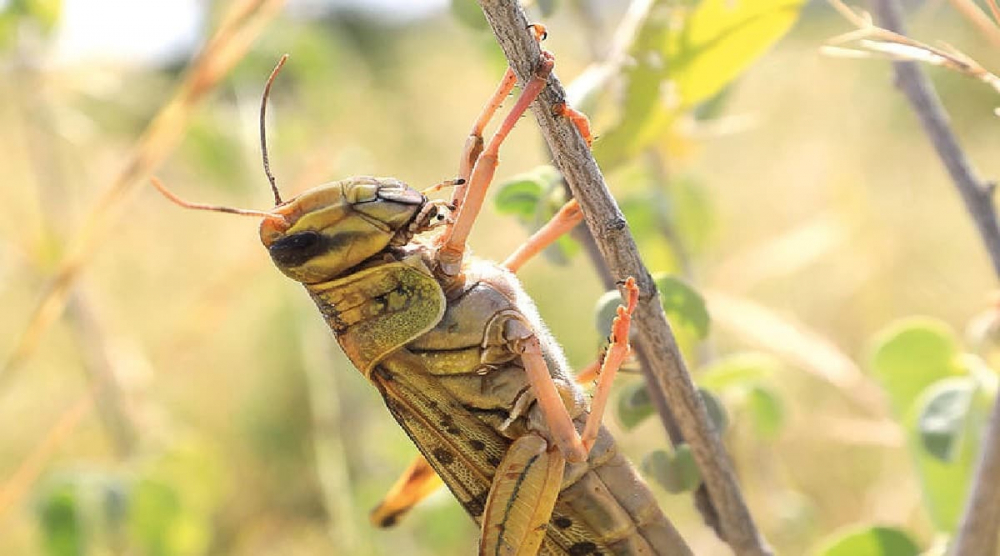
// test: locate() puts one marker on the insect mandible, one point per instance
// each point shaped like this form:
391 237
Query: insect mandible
458 352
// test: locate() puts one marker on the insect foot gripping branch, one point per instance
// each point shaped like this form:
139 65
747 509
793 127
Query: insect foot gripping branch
457 350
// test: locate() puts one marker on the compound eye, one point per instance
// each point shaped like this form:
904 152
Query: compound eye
296 249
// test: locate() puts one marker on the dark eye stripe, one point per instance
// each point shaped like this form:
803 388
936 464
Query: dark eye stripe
296 249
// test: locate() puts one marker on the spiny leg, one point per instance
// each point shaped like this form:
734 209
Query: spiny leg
524 491
565 220
613 359
454 236
474 143
523 340
416 483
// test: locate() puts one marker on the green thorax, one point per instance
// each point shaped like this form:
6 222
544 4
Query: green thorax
375 311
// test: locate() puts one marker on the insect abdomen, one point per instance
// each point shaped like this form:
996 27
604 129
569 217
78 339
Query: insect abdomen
605 508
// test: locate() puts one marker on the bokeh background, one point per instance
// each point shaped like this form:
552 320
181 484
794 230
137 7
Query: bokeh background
190 400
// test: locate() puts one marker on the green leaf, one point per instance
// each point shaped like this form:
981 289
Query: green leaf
941 421
684 306
646 210
468 13
910 355
740 371
716 410
720 39
634 405
944 481
62 531
174 500
522 195
870 541
606 310
685 56
519 196
767 411
692 213
676 472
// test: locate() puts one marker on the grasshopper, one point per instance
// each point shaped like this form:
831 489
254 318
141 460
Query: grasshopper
458 352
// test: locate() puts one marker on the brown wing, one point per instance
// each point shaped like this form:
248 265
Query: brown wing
463 449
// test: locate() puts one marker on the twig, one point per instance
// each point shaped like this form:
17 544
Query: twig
605 221
981 522
870 40
982 22
16 487
241 25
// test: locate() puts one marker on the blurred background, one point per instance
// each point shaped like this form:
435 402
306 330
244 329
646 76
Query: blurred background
166 392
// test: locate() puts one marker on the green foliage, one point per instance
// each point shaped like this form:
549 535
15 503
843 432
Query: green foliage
164 509
40 14
685 307
469 14
62 532
685 56
943 399
910 355
767 411
535 197
746 380
676 472
161 526
738 372
521 195
870 541
942 419
716 410
634 405
944 430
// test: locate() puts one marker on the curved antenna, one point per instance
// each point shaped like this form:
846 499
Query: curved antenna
263 133
214 208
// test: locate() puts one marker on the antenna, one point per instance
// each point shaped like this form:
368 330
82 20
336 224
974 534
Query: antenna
214 208
263 133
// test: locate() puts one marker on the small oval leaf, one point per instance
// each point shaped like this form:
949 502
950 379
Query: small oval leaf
676 472
870 541
519 196
739 371
683 304
605 311
910 355
716 410
62 531
767 410
634 405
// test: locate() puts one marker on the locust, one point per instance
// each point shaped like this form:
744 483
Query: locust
459 354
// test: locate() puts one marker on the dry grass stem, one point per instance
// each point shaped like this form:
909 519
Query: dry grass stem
871 40
240 27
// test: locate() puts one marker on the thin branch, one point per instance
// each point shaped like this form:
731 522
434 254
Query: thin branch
605 221
241 25
981 522
978 18
869 40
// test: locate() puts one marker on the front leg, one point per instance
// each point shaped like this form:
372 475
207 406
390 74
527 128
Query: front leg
453 239
524 491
